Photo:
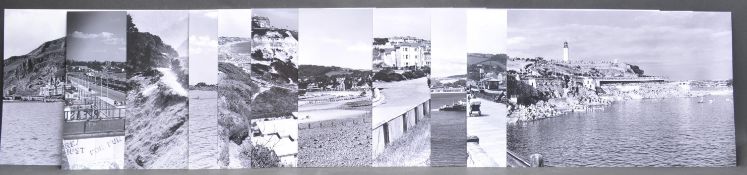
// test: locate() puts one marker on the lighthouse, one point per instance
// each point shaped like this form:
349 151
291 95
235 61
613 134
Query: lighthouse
565 51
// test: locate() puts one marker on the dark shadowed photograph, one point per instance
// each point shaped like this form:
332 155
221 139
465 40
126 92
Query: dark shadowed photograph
33 86
157 70
486 87
203 94
448 88
621 88
334 99
95 90
401 95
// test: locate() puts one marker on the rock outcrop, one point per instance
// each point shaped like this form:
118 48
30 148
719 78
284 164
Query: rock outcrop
25 74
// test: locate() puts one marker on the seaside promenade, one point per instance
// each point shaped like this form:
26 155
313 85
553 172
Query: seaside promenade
401 131
490 128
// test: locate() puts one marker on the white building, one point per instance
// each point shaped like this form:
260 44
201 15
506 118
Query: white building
402 52
565 52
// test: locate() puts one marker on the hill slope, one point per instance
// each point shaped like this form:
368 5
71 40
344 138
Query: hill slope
25 74
156 124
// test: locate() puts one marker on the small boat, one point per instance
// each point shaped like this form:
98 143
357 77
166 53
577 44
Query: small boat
459 106
702 100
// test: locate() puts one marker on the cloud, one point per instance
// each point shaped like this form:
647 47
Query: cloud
199 44
105 37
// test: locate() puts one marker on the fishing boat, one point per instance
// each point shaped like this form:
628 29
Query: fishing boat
459 106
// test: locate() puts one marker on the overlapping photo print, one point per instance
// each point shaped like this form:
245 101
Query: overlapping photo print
367 87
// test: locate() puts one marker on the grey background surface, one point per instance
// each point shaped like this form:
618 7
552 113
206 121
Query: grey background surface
739 34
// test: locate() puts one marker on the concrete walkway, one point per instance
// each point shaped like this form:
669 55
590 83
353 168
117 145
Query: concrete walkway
490 127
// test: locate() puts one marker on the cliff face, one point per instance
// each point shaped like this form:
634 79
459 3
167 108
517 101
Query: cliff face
156 135
25 74
274 54
274 57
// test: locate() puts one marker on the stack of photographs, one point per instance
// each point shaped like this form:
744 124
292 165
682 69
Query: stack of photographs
367 87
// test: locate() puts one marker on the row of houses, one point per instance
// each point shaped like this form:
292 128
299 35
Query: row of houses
402 52
340 84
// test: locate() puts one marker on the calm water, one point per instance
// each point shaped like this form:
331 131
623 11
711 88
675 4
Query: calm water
448 132
31 133
655 132
242 47
203 129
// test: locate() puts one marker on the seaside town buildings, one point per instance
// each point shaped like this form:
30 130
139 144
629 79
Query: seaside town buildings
402 52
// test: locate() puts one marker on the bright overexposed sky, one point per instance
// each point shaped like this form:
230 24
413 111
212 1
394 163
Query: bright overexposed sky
390 22
486 31
448 42
235 23
336 37
203 46
27 29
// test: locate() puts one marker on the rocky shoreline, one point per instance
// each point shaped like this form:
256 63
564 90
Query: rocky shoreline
555 107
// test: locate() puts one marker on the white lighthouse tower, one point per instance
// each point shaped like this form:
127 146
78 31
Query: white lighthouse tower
565 51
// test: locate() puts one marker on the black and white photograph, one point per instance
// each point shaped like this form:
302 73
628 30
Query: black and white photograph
401 97
448 88
274 60
95 90
235 90
334 99
486 103
157 103
621 88
203 94
33 81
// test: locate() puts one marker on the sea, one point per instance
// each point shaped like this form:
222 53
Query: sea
673 132
203 129
31 133
448 132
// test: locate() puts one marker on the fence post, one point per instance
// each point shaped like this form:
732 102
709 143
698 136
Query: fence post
536 160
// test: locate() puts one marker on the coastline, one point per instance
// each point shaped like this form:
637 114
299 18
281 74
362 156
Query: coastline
556 107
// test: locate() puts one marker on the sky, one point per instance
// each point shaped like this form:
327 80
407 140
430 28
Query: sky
678 45
96 36
449 42
203 46
172 26
336 37
25 30
235 23
486 31
279 18
390 22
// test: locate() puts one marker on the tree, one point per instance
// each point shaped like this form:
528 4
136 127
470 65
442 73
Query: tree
637 70
131 28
